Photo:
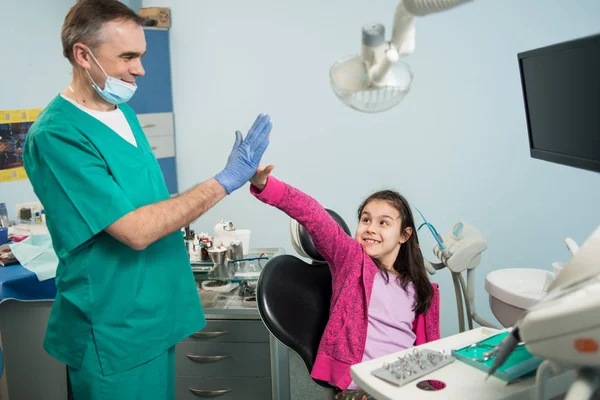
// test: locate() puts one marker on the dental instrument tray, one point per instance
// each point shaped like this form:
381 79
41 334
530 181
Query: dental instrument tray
247 268
520 363
203 266
412 366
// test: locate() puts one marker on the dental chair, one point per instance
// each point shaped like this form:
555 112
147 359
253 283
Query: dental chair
293 297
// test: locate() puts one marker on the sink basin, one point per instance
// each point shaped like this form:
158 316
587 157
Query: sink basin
513 290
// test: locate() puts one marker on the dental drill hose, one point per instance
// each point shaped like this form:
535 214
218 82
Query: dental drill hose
464 288
584 386
420 8
459 303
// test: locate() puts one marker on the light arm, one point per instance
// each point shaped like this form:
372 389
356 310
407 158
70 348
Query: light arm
403 34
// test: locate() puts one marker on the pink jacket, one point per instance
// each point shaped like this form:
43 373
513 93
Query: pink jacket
353 272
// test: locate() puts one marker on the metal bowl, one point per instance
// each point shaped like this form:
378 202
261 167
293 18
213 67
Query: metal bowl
217 255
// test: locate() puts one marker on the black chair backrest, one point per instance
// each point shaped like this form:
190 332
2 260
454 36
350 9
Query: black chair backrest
293 299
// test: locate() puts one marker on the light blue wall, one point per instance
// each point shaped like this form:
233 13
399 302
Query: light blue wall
133 4
32 70
36 70
457 146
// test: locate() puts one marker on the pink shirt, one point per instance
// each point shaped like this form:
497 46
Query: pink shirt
390 319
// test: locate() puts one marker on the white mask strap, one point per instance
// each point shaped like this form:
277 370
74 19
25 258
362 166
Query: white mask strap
97 63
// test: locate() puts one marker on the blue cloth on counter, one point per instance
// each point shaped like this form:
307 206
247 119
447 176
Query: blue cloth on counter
37 255
19 283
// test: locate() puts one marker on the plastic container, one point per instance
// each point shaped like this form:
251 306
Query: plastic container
208 299
243 235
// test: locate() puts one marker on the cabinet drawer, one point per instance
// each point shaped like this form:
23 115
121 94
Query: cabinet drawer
162 146
190 388
223 359
157 124
233 331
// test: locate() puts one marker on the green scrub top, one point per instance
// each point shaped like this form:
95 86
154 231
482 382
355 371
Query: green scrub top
133 304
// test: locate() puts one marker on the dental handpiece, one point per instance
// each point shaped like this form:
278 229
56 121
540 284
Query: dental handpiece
504 349
437 237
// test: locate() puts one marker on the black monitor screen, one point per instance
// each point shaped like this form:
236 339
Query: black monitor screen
561 89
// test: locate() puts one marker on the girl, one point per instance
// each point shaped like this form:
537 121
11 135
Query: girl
382 301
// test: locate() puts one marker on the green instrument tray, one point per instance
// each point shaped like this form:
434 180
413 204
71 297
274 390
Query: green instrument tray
519 364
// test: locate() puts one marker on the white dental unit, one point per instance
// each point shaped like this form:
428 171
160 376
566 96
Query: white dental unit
561 326
563 329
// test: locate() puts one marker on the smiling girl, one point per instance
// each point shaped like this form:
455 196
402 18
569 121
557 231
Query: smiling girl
382 300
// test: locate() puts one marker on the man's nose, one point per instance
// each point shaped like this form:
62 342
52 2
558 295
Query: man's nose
138 69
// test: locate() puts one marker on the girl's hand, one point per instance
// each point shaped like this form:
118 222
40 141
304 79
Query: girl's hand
260 177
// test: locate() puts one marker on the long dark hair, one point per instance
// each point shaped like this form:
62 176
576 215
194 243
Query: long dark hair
409 264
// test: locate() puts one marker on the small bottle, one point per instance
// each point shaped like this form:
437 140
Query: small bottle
188 246
204 250
196 249
43 217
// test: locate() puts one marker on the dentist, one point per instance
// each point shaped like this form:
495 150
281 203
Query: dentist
125 290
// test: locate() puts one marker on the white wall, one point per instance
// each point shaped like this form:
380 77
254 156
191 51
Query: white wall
456 147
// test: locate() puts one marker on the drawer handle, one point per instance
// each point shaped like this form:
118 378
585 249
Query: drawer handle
154 147
148 126
209 393
201 335
207 358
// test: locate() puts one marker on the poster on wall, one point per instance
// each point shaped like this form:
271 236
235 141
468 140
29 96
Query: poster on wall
14 125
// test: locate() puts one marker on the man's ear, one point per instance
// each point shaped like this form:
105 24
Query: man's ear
81 55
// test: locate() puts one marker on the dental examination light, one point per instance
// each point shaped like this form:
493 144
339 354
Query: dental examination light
376 80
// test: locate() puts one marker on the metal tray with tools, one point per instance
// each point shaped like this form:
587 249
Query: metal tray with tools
413 366
203 267
206 267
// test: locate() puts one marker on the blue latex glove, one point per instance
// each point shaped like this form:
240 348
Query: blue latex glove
245 155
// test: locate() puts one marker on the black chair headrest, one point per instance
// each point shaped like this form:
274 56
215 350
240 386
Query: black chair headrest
302 242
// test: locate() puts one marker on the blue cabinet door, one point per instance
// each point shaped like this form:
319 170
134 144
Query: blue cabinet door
154 92
167 165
